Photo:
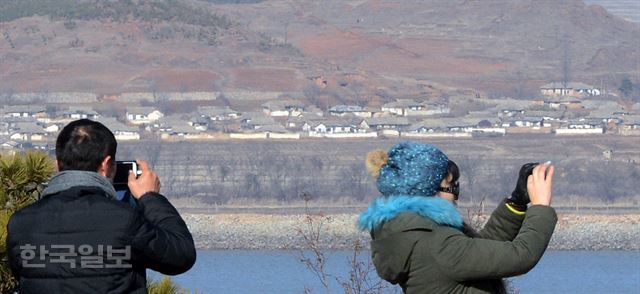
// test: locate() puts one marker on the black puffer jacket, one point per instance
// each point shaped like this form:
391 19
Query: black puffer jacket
96 233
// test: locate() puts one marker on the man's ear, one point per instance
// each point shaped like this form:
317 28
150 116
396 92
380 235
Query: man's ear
105 167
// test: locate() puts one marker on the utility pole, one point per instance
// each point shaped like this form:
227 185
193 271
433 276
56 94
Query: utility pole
566 62
286 32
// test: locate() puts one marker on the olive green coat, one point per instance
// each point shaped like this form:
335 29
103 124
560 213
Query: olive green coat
425 256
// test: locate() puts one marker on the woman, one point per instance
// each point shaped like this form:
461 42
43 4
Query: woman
419 240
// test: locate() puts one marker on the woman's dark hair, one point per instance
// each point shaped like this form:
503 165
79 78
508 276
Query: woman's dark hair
452 168
83 144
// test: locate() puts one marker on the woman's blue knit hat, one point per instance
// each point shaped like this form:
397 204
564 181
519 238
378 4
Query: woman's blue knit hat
413 169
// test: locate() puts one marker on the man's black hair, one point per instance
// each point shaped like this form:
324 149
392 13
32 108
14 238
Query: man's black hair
453 169
83 144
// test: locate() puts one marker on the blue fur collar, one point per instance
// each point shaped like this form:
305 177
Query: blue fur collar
384 209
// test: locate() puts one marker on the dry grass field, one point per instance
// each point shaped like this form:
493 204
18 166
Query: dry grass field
330 172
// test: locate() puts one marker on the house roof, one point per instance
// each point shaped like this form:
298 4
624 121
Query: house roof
80 109
213 111
28 127
18 119
445 123
10 143
399 121
481 115
403 103
182 127
585 122
510 104
115 126
571 85
346 108
272 128
601 104
23 108
544 113
257 118
524 118
604 113
141 109
631 120
342 122
283 104
305 118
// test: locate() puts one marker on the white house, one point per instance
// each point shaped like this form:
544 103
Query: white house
522 122
581 127
547 116
75 112
402 107
283 108
120 130
142 115
331 127
9 145
52 128
253 120
511 112
444 125
409 107
381 123
215 113
630 125
27 131
632 121
31 111
277 131
344 110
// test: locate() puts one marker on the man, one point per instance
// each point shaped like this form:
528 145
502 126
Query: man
79 239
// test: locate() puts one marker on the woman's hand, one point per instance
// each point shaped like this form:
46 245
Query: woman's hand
539 184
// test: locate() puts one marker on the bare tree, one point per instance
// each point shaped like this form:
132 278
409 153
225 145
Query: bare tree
354 181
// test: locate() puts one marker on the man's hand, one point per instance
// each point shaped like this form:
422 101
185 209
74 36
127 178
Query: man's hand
520 196
539 184
148 181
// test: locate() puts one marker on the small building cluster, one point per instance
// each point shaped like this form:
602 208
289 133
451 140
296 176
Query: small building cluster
563 111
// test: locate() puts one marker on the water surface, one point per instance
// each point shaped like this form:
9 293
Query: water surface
240 271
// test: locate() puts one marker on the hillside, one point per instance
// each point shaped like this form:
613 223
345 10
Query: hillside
481 44
107 46
378 48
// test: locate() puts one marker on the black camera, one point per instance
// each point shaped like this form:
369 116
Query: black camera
121 180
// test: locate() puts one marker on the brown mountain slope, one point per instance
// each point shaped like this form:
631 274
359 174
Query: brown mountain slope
467 42
496 46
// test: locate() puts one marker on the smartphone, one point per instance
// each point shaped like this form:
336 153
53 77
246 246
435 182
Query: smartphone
121 180
122 171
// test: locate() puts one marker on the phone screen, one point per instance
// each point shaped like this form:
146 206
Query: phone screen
120 182
122 171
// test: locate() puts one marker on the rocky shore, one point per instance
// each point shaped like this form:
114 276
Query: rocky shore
338 231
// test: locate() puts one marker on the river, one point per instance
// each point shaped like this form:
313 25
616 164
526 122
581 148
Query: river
279 271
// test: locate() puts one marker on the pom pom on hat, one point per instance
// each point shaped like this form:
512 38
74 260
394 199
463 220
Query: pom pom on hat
413 169
376 159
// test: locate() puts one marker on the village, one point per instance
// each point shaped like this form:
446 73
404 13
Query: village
560 110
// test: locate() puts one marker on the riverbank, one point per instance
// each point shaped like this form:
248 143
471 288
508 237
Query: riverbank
338 231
